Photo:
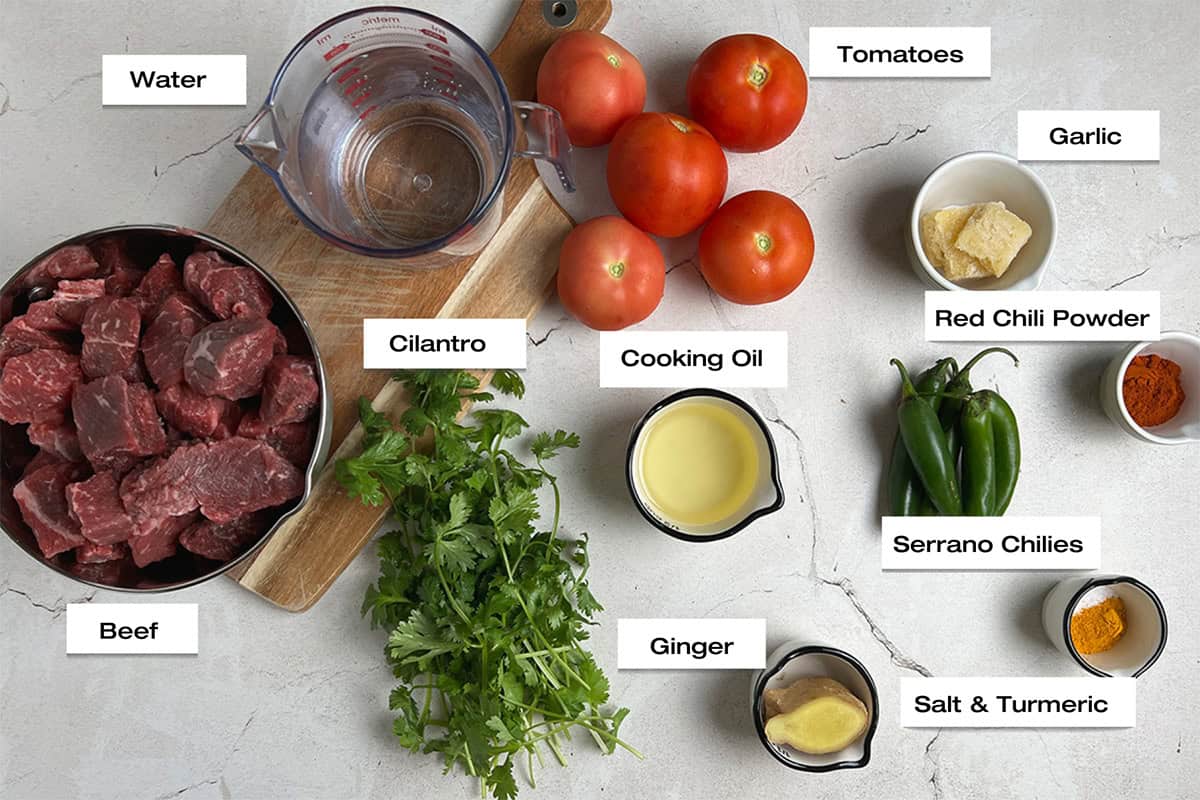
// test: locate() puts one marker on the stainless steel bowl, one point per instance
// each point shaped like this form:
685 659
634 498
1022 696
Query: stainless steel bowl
146 243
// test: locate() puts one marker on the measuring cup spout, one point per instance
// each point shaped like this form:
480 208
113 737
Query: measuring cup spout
260 141
542 135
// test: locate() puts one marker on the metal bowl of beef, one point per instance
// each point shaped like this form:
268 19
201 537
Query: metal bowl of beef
163 408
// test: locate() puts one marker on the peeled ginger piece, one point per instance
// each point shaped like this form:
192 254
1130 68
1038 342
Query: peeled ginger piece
815 715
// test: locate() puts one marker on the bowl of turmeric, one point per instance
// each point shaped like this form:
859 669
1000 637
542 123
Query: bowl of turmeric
1111 625
1151 390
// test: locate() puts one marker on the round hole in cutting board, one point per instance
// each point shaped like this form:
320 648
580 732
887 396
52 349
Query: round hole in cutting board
560 13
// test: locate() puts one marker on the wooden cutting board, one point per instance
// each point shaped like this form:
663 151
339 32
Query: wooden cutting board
336 289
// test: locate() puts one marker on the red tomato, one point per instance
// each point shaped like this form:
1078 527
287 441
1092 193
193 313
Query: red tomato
594 83
610 274
666 173
757 248
749 90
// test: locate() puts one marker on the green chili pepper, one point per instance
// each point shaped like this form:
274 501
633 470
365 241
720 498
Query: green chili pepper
906 497
957 391
927 447
978 457
1007 447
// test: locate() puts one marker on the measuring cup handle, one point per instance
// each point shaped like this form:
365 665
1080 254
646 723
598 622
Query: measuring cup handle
541 135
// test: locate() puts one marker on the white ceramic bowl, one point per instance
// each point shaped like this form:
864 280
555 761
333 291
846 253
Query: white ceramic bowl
1178 346
982 177
1144 639
794 660
766 499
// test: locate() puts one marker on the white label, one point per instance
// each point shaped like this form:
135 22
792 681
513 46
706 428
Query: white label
990 543
176 80
681 359
1087 135
443 344
1018 702
691 643
900 52
1041 316
133 628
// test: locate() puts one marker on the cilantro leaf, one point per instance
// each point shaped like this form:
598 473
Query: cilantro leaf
546 446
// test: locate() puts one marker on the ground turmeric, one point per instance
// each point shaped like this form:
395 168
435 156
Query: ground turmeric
1098 628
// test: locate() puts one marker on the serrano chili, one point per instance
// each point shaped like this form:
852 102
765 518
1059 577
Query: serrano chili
906 496
926 444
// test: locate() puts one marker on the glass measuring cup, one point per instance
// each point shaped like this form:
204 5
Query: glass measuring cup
389 132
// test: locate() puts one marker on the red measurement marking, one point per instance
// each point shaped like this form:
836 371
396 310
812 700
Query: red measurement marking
336 51
352 88
437 48
434 35
443 70
341 64
346 76
449 93
445 62
358 101
364 114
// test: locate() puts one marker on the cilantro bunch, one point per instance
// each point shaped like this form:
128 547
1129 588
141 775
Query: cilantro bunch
487 615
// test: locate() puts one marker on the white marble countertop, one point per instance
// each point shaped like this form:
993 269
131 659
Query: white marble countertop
294 706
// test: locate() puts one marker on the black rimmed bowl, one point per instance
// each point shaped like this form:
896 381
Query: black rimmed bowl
145 243
1146 629
794 660
766 498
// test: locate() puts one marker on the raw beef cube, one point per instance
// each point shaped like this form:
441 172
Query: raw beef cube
221 542
37 385
166 340
161 281
43 315
64 311
236 476
111 253
156 538
41 459
228 358
69 263
121 274
196 414
92 553
96 505
136 372
225 289
122 282
158 487
294 440
19 337
111 328
107 573
56 435
281 343
117 422
290 392
41 496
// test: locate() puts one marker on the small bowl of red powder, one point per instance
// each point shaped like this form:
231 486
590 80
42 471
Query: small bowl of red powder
1152 389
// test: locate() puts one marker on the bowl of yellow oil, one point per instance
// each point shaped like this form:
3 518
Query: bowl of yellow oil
702 466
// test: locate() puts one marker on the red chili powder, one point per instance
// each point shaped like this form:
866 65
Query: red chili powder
1152 389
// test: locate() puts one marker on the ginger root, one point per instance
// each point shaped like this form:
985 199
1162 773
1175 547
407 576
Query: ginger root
814 715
